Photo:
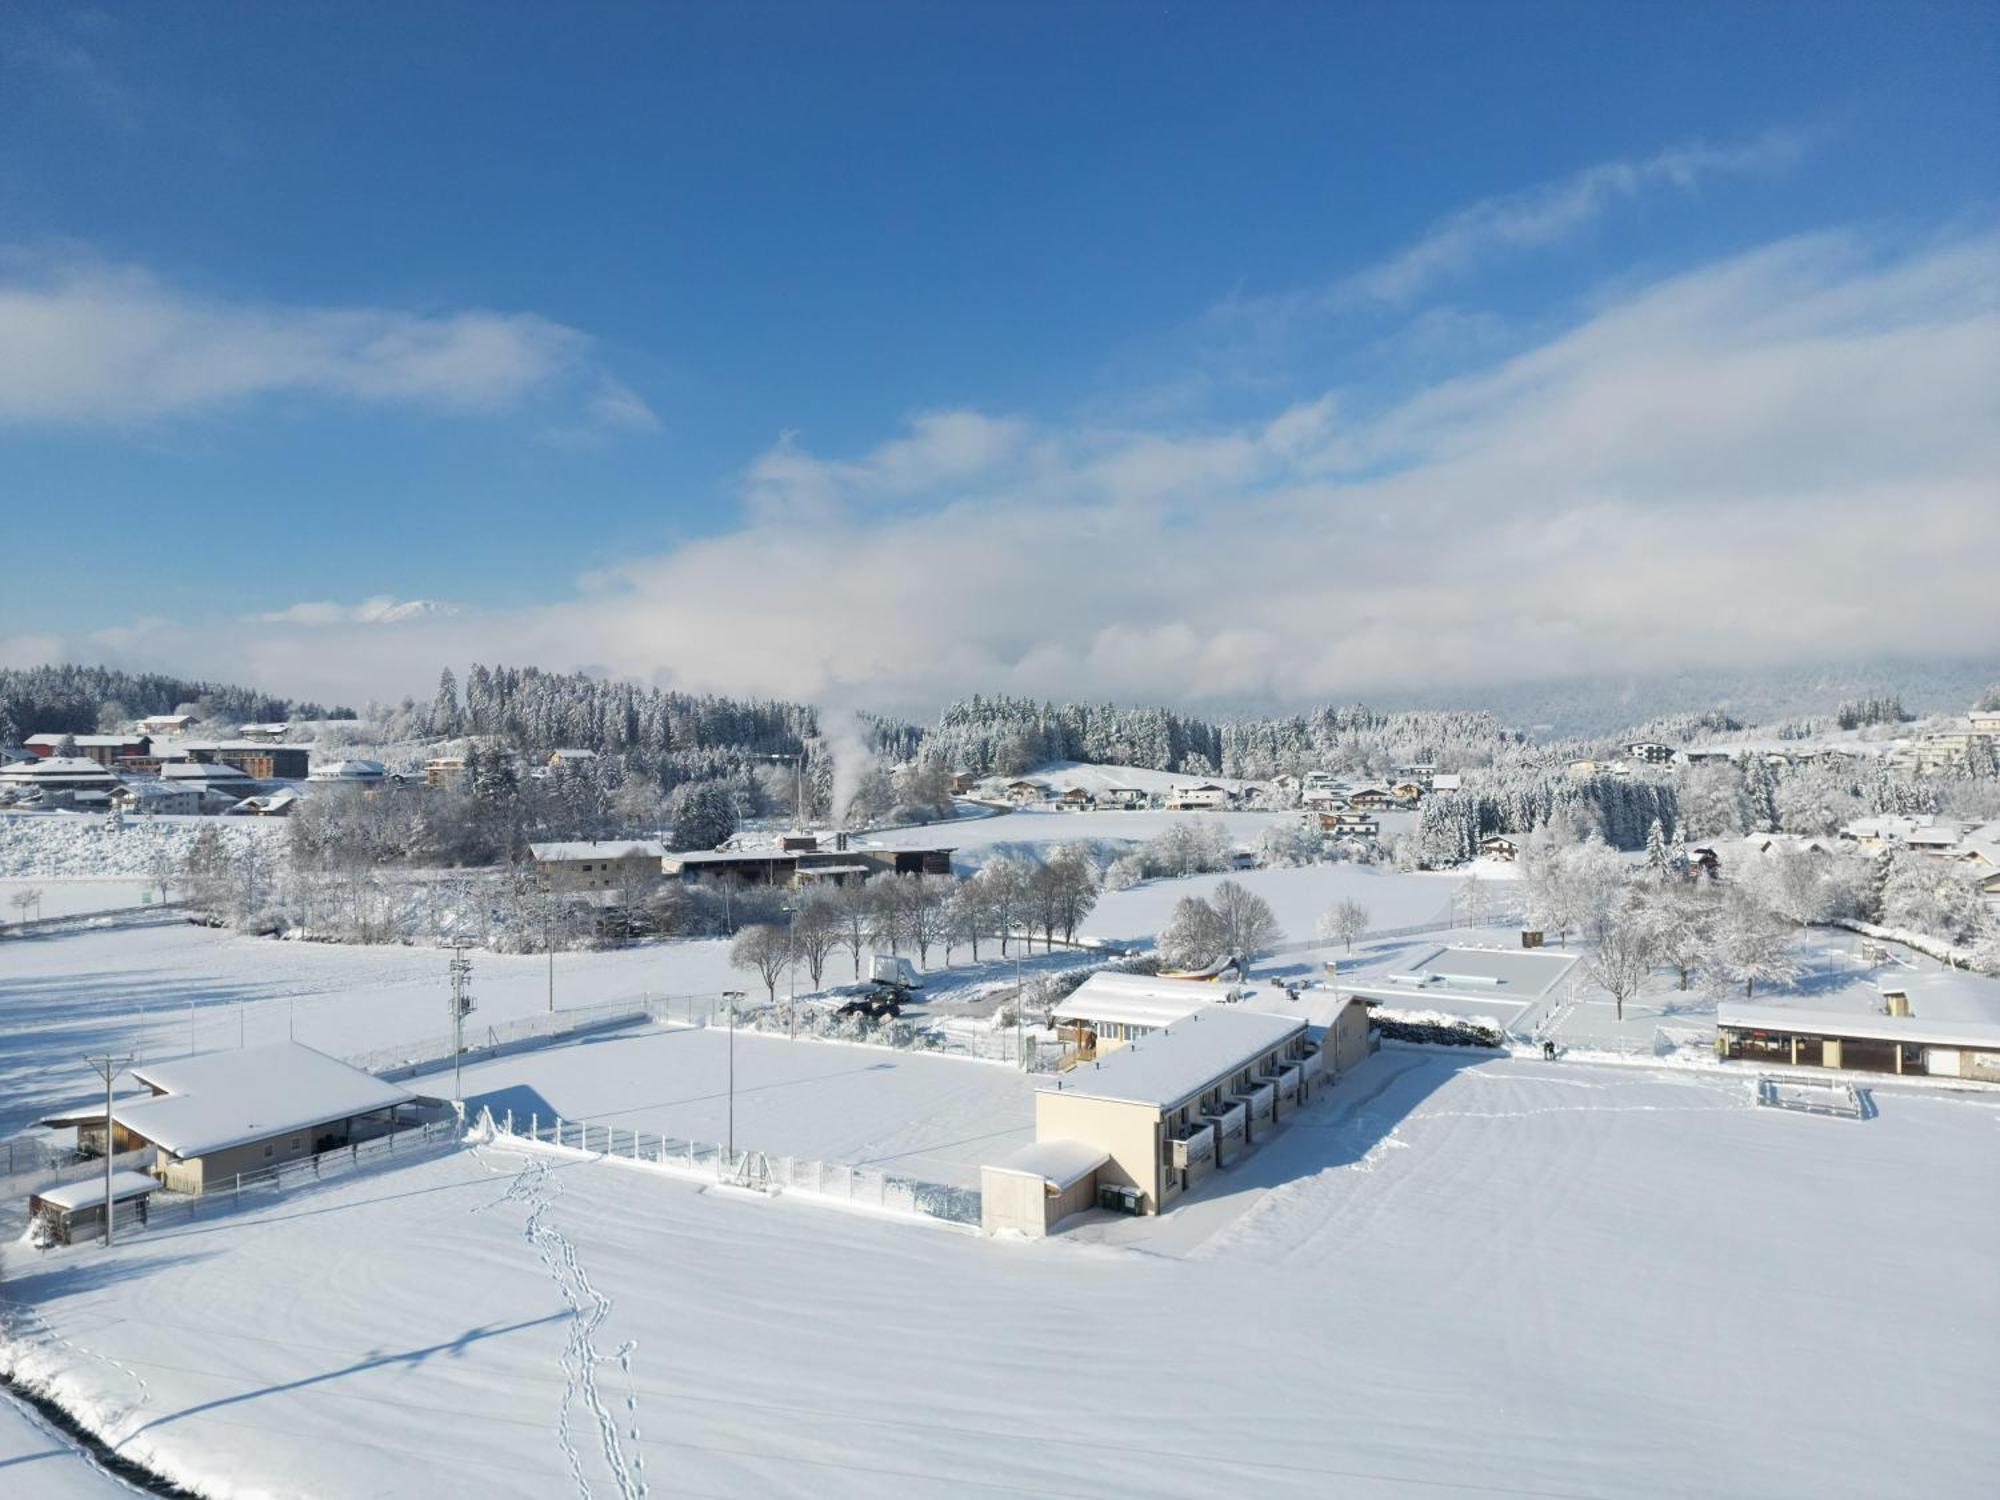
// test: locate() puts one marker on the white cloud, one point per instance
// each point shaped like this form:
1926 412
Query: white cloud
380 610
87 343
1787 456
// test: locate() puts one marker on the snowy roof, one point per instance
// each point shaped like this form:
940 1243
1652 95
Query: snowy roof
349 770
89 1193
201 770
1914 1029
1170 1065
1447 781
218 1099
1481 973
56 765
1136 999
84 739
1060 1163
568 849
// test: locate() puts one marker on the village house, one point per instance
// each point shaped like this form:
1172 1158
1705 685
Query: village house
154 724
1371 799
597 865
1075 799
962 782
264 734
105 749
1349 825
1651 752
1504 847
1407 791
1201 796
1447 781
571 757
158 799
1323 798
444 771
216 1115
1021 793
1123 798
278 804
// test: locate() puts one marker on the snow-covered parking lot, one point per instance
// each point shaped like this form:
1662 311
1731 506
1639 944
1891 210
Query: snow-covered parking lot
1448 1277
934 1118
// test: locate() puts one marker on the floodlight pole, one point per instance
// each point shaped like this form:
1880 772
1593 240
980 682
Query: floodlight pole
460 970
110 1067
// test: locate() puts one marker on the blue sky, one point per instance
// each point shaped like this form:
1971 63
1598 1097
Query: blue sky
550 313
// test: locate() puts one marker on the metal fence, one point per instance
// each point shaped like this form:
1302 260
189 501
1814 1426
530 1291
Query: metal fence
705 1161
229 1193
502 1037
817 1023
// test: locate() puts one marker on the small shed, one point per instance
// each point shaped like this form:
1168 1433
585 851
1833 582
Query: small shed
75 1211
1033 1189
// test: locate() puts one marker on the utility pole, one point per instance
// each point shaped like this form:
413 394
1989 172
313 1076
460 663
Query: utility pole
732 996
549 942
110 1067
460 970
1020 1001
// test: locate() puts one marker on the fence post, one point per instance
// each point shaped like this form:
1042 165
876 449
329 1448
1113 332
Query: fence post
510 1122
558 1130
534 1125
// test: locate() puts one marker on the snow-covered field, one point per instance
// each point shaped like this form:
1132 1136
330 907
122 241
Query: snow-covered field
1298 898
71 896
1446 1277
935 1118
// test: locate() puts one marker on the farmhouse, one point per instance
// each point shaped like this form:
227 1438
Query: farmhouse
1768 1035
1168 1108
1020 793
165 723
597 865
1500 846
216 1115
1076 799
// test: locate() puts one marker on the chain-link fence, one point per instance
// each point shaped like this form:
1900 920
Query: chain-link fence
705 1161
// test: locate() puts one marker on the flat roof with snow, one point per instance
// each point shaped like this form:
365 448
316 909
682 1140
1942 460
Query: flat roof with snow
214 1100
1179 1061
1136 1000
1060 1163
89 1193
1507 974
1916 1030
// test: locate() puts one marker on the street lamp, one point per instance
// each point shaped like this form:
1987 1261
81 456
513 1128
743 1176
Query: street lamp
732 996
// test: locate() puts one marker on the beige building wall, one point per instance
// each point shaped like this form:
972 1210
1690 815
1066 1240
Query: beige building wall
1128 1133
1346 1041
603 874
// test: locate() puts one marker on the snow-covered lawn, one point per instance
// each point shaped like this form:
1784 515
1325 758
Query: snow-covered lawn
935 1118
1447 1277
1298 897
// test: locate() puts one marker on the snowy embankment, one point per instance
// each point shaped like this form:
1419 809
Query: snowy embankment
46 845
1503 1247
1955 954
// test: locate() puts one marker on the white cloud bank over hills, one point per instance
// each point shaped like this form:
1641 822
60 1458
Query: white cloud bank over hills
1786 456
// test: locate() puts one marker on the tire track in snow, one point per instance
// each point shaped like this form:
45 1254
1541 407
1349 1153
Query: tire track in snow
588 1309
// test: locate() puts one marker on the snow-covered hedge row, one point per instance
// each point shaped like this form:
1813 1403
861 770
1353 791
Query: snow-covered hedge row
1435 1028
50 845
